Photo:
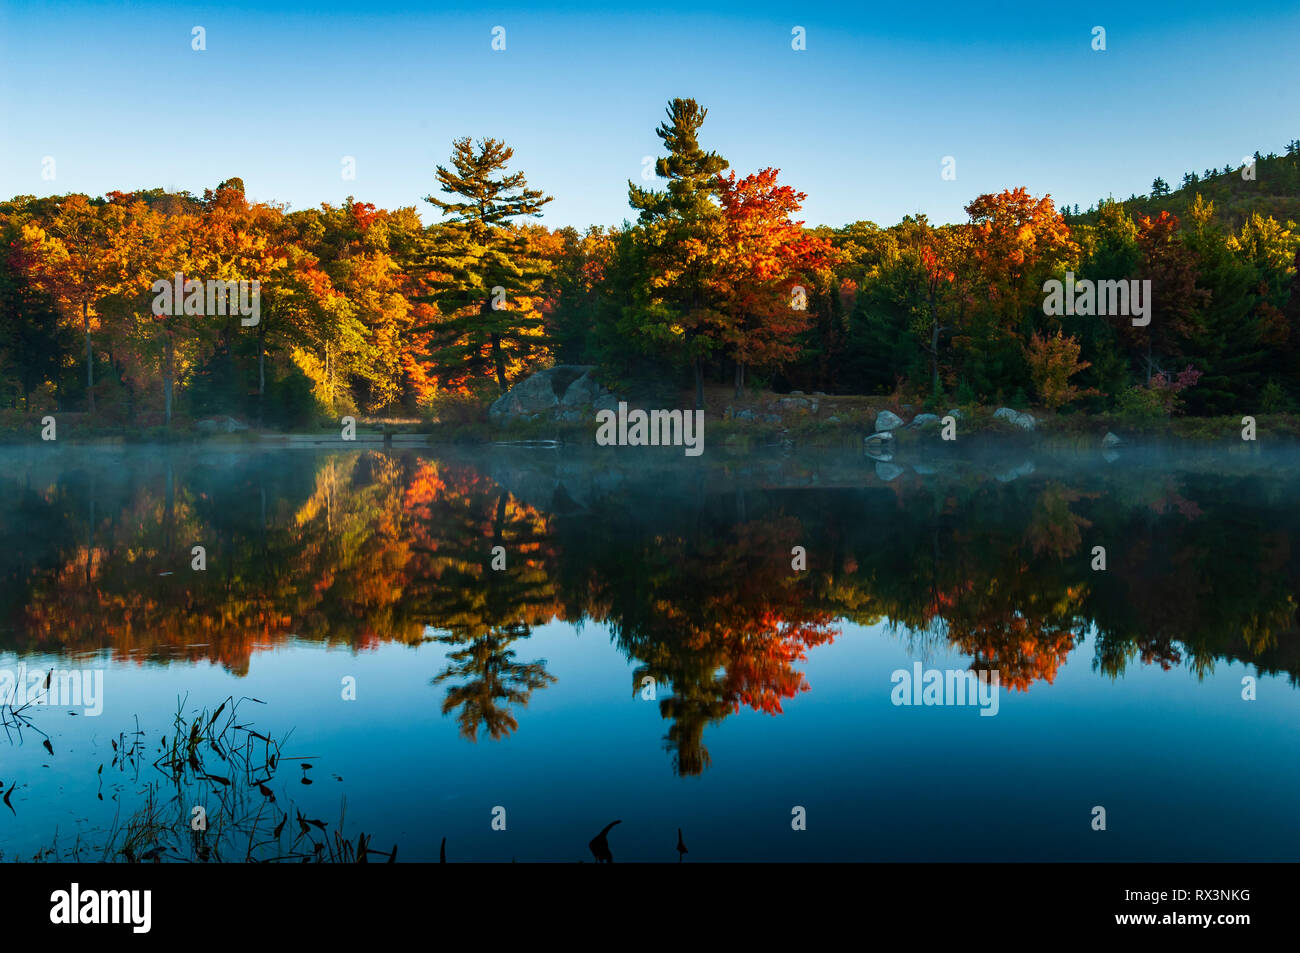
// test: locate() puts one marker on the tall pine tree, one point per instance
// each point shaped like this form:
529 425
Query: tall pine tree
682 225
478 264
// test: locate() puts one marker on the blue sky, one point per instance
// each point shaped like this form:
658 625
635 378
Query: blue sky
860 120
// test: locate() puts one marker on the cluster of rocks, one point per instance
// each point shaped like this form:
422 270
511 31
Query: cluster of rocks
880 442
1015 417
888 421
566 392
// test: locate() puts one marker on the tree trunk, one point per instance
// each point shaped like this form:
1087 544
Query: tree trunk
261 370
934 353
169 358
699 383
90 358
498 356
740 379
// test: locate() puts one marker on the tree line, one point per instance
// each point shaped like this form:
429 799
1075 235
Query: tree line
715 282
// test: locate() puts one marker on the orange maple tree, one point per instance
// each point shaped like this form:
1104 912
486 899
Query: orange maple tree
767 264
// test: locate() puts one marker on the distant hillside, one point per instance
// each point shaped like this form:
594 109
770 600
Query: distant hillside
1275 191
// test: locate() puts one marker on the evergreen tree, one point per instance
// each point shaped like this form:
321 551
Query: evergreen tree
479 265
681 225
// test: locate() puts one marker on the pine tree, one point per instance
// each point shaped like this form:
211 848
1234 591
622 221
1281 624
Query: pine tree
681 223
479 267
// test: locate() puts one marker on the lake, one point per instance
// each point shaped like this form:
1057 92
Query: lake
510 648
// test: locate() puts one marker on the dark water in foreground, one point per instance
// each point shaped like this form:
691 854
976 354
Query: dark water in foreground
524 688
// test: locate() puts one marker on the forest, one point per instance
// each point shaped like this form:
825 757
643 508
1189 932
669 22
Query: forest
712 280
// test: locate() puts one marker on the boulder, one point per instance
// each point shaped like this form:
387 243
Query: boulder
955 413
1110 440
888 471
1023 421
531 396
745 414
888 420
582 392
922 420
566 392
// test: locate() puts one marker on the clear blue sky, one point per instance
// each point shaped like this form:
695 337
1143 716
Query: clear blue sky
860 120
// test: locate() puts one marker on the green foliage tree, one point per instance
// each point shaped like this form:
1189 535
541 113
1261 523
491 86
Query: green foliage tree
478 264
675 307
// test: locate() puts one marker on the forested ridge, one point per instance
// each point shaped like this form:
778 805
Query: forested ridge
712 279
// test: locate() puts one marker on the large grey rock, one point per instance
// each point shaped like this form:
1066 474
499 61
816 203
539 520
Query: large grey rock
582 392
888 420
1110 440
922 420
888 471
1023 421
531 396
955 413
567 392
745 414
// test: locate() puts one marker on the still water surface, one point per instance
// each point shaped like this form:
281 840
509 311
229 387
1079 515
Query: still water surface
359 572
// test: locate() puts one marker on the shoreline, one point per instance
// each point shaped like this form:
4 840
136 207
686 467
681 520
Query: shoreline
975 424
